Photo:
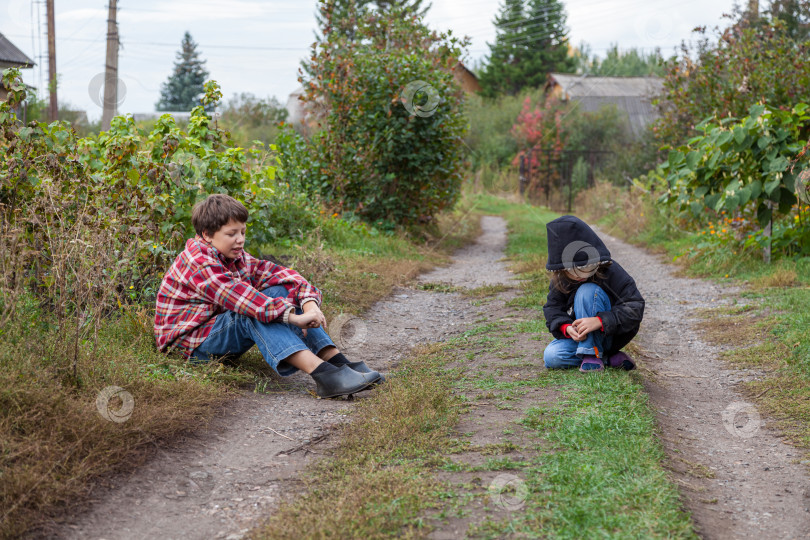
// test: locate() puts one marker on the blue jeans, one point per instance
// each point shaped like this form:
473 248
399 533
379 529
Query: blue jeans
589 300
233 334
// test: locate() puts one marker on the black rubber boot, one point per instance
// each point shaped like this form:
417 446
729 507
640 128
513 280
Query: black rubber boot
361 367
343 382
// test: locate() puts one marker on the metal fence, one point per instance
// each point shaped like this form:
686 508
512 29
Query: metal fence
543 170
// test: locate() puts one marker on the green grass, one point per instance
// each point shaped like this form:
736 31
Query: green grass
599 473
378 484
780 292
601 476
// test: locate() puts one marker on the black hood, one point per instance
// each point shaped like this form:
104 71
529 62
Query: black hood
572 243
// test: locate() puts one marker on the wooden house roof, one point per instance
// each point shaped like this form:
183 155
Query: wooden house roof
633 95
11 56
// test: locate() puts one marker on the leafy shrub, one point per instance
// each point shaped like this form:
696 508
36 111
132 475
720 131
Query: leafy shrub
295 165
742 167
737 162
491 120
249 118
748 64
105 215
375 157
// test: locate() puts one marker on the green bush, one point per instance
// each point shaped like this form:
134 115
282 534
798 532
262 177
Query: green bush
742 167
107 214
489 137
389 152
749 63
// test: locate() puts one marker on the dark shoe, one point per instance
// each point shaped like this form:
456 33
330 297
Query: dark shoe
361 367
343 382
591 364
621 360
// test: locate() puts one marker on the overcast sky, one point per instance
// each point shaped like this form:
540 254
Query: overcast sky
256 45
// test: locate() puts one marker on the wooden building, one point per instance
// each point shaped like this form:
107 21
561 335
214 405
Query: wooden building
11 56
631 95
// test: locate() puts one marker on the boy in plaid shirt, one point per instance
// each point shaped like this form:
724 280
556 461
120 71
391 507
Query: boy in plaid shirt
217 300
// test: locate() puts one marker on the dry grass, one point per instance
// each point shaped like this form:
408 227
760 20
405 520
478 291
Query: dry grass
741 325
783 393
53 441
485 291
696 470
530 263
786 399
377 482
628 210
781 277
737 330
768 354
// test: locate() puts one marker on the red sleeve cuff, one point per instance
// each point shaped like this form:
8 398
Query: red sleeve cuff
600 322
563 328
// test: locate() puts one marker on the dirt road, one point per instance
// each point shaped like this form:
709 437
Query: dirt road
737 477
220 482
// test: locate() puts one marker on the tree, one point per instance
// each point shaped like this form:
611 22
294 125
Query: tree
185 86
339 17
407 7
795 14
344 14
391 148
630 63
749 64
531 41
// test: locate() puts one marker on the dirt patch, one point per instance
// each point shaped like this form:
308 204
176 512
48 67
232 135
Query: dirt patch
737 477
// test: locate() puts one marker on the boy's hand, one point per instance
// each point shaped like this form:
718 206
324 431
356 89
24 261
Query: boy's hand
312 307
585 326
304 321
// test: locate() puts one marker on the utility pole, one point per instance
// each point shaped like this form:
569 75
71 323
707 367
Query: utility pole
110 103
53 110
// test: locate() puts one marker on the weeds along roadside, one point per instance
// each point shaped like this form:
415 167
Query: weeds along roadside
771 326
603 473
59 433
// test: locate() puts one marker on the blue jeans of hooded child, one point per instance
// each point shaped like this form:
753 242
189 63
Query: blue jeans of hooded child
589 300
233 334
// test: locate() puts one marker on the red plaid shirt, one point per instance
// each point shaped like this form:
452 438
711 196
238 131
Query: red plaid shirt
202 283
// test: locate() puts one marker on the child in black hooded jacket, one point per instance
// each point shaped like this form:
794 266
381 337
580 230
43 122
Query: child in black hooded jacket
593 307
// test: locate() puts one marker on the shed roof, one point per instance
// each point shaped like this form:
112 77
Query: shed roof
577 86
633 95
11 56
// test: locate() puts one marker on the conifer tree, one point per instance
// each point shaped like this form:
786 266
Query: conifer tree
531 41
618 63
795 14
407 6
182 91
344 14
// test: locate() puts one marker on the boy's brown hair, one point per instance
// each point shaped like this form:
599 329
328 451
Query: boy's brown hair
211 214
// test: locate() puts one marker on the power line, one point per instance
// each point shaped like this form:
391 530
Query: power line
202 46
